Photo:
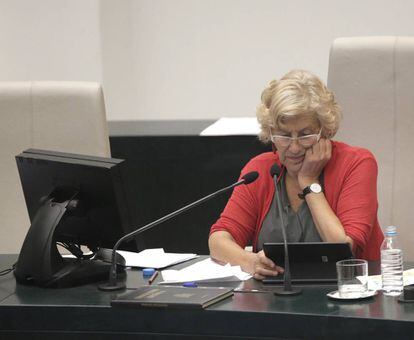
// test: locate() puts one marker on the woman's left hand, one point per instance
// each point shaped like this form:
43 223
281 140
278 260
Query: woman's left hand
315 160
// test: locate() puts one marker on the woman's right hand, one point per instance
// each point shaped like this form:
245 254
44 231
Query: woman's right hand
224 249
262 266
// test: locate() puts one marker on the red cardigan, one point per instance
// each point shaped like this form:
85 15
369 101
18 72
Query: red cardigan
350 183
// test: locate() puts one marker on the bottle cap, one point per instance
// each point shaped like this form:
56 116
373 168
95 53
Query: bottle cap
147 272
391 230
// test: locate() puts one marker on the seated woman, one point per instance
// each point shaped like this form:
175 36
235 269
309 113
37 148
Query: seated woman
328 189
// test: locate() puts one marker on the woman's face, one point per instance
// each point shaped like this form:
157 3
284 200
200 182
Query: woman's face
293 155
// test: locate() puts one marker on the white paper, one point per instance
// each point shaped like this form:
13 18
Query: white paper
233 126
375 281
154 258
206 270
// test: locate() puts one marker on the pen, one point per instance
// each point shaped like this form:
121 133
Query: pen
153 276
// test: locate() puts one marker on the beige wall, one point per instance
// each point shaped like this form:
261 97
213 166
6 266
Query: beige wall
50 40
181 59
204 59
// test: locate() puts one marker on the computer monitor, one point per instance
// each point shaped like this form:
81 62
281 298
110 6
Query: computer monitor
72 200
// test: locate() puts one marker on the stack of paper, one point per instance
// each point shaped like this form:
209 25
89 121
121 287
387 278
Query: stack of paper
206 270
154 258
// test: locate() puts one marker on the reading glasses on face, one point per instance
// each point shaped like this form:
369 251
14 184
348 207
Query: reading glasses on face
305 141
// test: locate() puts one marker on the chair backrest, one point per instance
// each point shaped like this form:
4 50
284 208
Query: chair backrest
373 80
60 116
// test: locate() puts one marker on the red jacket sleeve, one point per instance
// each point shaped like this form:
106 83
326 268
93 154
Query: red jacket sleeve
357 203
240 215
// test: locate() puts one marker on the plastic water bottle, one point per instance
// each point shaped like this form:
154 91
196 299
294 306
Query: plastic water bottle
391 263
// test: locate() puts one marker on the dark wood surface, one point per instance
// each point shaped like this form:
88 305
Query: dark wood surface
84 312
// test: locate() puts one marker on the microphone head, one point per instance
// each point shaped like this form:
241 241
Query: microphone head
275 170
250 177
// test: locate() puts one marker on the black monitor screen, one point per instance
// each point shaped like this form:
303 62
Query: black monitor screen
95 186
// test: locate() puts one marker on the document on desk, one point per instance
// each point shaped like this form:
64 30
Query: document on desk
233 126
206 270
154 258
375 281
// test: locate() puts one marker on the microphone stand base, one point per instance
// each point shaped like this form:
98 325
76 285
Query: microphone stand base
108 287
282 291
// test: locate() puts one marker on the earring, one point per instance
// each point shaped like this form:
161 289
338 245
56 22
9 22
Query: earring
274 148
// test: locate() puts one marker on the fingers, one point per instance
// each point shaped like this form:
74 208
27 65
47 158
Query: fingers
321 151
258 276
328 148
261 273
265 261
315 160
265 267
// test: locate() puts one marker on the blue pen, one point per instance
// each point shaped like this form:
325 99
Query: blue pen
190 284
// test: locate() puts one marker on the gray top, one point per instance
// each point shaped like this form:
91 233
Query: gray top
299 226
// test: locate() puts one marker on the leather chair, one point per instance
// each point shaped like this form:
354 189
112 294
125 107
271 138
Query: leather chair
59 116
373 80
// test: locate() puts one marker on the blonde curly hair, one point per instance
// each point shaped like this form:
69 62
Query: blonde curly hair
296 94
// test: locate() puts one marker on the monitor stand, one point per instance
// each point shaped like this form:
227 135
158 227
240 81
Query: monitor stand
75 272
40 262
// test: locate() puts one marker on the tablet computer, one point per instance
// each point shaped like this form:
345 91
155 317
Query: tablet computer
309 262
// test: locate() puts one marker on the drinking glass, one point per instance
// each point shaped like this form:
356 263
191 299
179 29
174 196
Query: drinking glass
352 278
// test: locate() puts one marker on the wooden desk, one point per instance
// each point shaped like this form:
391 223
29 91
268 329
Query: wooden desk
85 313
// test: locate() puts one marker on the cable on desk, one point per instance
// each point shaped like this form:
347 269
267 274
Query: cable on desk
76 250
8 270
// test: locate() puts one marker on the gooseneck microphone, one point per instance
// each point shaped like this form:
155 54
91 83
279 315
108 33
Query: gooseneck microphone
112 283
287 288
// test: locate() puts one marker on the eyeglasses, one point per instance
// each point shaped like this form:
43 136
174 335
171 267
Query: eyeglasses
305 141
